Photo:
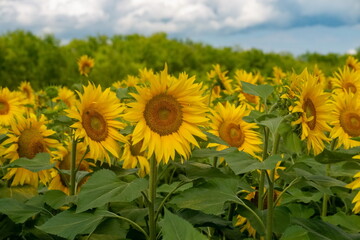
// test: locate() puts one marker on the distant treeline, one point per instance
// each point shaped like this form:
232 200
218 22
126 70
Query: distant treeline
44 61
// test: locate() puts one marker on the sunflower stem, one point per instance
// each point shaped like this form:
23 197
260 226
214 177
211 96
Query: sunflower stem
152 196
72 189
326 196
262 174
270 202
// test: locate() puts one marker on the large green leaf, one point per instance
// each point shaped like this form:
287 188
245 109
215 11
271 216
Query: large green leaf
295 233
263 91
104 186
319 230
208 152
273 124
200 219
17 211
69 224
293 142
208 197
241 162
176 228
350 222
110 229
56 198
40 162
328 156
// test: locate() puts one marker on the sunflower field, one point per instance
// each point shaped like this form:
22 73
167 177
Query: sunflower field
158 155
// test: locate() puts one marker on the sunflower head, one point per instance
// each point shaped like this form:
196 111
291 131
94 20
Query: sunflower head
346 80
227 123
97 123
27 138
85 64
10 106
353 63
67 96
167 115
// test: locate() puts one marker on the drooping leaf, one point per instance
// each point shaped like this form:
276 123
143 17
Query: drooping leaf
241 162
40 162
208 197
17 211
69 224
350 222
55 198
328 156
104 186
176 228
295 232
263 91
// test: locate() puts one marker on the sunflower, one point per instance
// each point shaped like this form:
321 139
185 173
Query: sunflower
10 107
130 81
355 185
227 123
313 106
145 75
133 157
279 75
294 85
61 181
27 93
221 80
168 114
346 80
85 64
353 63
96 114
67 96
346 120
251 101
26 138
321 79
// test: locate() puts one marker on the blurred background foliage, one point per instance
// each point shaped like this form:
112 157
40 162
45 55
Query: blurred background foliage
44 61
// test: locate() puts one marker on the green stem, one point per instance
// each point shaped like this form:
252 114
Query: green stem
326 196
152 196
131 222
262 174
285 189
72 189
215 162
270 202
252 212
166 198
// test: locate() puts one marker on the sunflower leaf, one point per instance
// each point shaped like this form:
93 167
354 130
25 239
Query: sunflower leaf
263 91
328 156
40 162
69 224
17 211
208 197
104 187
273 124
215 139
176 228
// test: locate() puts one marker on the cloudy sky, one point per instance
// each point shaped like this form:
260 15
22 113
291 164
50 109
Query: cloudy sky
294 26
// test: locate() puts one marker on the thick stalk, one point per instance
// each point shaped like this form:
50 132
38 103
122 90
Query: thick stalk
262 174
325 196
152 196
72 189
270 202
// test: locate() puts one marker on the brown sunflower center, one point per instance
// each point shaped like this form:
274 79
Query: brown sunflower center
135 149
4 107
30 143
310 111
350 87
163 114
350 122
232 134
95 125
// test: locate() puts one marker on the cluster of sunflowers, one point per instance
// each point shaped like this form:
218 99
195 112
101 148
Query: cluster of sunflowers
155 118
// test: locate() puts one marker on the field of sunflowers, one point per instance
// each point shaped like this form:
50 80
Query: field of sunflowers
164 156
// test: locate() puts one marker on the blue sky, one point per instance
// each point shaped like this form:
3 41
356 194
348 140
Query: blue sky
294 26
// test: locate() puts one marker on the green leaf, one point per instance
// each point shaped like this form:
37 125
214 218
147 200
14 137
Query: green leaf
350 222
104 186
208 197
176 228
40 162
110 229
334 156
215 139
55 198
69 224
272 123
263 91
200 219
320 230
122 93
281 219
293 142
208 152
241 162
17 211
295 233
